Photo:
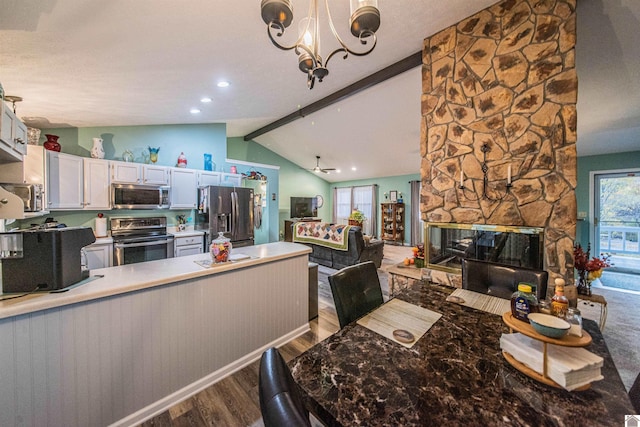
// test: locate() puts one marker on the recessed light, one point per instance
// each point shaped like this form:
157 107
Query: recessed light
223 84
194 111
338 171
354 169
205 99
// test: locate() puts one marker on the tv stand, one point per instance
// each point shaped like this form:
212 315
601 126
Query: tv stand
288 226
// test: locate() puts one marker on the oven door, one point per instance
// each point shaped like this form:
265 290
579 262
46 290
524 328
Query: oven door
130 251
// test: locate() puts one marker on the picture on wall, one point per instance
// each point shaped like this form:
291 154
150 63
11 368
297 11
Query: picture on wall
393 196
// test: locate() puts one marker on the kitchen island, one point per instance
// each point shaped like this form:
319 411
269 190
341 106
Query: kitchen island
143 337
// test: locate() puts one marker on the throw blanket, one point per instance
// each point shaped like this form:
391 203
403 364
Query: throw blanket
323 234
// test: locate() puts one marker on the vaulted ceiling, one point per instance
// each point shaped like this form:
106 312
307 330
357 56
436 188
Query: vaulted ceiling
89 63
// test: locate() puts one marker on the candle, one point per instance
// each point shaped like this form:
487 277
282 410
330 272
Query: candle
509 175
461 178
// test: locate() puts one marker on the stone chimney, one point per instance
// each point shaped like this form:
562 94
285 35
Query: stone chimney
504 78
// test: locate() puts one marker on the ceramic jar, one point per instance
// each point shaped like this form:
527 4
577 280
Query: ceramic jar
52 143
220 249
97 152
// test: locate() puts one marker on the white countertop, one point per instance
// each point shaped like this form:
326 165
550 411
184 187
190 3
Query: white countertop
133 277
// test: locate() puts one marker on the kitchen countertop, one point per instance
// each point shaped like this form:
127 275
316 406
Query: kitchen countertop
134 277
189 232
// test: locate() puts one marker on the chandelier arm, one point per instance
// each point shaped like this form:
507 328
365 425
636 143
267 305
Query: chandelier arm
276 26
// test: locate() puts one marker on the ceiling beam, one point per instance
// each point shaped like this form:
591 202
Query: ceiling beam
392 70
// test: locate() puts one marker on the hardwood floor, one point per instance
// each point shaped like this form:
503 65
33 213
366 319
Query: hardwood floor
234 400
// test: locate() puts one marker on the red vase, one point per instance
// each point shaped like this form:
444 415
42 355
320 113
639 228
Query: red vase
52 143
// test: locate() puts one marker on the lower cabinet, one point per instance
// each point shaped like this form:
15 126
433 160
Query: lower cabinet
99 255
189 245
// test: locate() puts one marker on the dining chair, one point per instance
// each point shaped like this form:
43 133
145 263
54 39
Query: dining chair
356 291
634 394
280 401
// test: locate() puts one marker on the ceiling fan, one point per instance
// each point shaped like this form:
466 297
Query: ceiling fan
318 169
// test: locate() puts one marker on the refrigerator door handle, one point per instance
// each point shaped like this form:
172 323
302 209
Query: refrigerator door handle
236 215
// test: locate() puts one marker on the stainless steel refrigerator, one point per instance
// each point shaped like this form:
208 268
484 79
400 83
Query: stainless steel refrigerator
226 209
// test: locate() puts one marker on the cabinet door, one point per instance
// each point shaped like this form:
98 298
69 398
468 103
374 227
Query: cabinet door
126 173
158 175
6 124
208 178
231 179
184 189
99 255
65 183
19 136
96 184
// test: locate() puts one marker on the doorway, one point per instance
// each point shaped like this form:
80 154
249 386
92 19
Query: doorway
616 226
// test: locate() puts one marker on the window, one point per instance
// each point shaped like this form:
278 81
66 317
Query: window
346 199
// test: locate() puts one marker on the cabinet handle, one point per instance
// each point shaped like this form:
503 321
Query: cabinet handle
4 201
19 141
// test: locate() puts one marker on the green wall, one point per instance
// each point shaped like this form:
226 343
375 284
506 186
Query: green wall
588 164
293 181
400 183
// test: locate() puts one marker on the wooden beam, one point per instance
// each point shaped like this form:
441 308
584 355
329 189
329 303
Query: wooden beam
392 70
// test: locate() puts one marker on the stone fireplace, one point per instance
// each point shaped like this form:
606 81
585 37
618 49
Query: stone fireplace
503 79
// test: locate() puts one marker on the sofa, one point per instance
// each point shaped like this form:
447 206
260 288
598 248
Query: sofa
501 280
360 249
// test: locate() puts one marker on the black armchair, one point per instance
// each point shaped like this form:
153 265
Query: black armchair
356 291
501 280
280 401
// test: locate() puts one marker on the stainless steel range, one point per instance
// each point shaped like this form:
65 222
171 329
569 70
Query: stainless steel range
140 239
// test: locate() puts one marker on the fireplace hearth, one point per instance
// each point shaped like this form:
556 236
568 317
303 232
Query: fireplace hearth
446 244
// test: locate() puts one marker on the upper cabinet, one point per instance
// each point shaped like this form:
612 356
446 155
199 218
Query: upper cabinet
77 183
136 173
184 188
231 179
208 178
13 136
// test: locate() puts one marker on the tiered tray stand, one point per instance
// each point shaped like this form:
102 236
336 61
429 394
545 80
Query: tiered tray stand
526 329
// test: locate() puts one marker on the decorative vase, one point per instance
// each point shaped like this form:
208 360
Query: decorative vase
52 143
97 152
153 154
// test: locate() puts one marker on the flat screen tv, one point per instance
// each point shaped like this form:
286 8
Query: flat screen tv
304 207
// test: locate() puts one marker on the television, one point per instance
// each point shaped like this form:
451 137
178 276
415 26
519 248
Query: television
304 207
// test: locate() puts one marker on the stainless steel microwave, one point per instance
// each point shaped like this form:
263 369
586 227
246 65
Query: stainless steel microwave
31 195
131 196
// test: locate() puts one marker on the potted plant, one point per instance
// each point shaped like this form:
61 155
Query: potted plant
356 218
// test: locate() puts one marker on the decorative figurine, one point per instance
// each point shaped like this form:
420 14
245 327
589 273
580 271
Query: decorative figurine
182 160
97 152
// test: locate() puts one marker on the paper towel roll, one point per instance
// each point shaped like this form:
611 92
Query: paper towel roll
101 227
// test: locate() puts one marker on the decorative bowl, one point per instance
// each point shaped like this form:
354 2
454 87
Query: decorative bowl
548 325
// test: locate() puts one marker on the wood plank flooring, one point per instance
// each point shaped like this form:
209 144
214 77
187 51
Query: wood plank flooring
234 400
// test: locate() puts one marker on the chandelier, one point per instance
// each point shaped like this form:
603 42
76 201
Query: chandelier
364 22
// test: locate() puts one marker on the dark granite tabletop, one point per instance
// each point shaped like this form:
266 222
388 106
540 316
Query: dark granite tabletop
454 375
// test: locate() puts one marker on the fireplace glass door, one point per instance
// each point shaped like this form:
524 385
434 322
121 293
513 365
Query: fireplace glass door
447 244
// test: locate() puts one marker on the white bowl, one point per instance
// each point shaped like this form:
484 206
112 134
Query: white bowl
549 326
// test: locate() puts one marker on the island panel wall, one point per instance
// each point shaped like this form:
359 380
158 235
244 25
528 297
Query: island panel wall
120 359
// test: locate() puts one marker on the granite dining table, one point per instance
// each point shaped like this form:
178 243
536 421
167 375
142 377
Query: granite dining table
455 374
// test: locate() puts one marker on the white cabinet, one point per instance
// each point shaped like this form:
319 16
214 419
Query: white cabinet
184 188
136 173
76 182
96 184
13 136
231 179
156 175
126 173
208 178
187 245
65 185
99 255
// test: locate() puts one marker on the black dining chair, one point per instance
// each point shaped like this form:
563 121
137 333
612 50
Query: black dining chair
356 291
280 401
634 394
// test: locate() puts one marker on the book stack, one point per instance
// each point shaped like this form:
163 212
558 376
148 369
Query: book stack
569 367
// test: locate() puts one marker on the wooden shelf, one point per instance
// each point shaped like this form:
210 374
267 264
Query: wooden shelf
392 222
526 329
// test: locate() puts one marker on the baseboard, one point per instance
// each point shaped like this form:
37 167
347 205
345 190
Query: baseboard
165 403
